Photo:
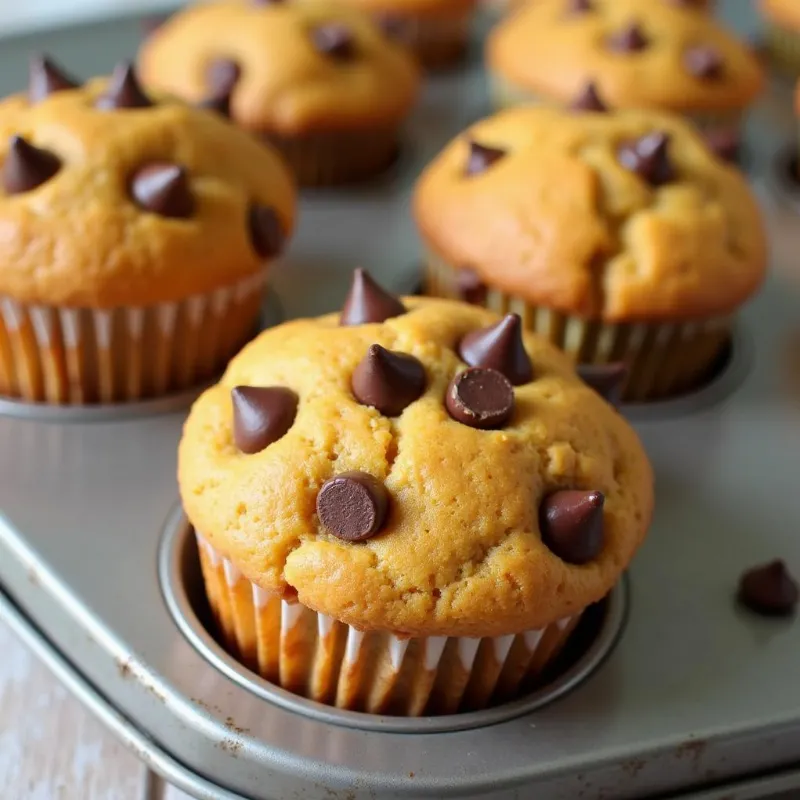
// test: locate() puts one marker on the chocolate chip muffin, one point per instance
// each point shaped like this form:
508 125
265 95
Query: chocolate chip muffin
619 237
782 23
136 234
405 507
649 54
321 83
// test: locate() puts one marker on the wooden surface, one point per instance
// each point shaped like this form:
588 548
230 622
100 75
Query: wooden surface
52 749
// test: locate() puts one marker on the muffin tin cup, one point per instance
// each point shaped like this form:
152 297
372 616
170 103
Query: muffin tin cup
77 356
783 47
664 359
317 657
438 41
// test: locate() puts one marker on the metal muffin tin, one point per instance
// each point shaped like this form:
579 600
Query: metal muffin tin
698 698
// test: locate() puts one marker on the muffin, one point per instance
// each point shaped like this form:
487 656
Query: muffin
136 234
323 84
620 237
697 5
406 507
634 54
782 22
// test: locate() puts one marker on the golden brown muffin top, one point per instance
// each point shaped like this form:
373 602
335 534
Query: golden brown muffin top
784 12
639 54
287 68
623 217
444 535
109 196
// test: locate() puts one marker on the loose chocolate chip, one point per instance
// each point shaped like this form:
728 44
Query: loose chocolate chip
123 90
470 286
579 6
334 39
164 189
387 380
266 232
571 523
649 158
481 157
481 398
607 380
220 103
499 347
703 62
27 167
261 415
368 302
45 78
221 75
353 506
588 100
628 40
724 142
769 590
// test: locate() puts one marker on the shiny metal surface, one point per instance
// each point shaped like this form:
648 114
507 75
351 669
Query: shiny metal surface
696 694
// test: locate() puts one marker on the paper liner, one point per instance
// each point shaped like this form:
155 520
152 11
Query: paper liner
324 159
663 358
783 47
74 356
318 657
438 41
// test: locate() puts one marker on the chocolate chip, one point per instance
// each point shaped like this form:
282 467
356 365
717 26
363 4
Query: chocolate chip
607 380
571 523
123 90
499 347
221 75
628 40
481 157
481 398
368 302
470 286
261 415
164 189
45 78
579 6
220 103
769 590
649 158
687 3
703 62
333 39
27 167
266 232
387 380
724 142
588 100
393 26
353 506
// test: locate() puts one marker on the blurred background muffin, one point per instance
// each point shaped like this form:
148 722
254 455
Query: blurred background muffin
782 23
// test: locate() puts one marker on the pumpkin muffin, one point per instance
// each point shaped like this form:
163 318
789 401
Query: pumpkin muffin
136 232
782 20
620 237
405 508
323 84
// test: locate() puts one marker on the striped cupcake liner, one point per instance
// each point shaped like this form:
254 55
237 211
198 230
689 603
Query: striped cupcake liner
322 659
664 358
438 41
76 356
783 47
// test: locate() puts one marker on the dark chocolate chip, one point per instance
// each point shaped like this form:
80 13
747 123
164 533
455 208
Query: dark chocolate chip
353 506
368 302
261 415
499 347
687 3
220 103
724 142
481 398
470 286
571 523
481 157
579 6
333 39
221 75
588 100
164 189
703 62
266 232
123 90
630 39
387 380
769 590
607 380
27 167
395 27
45 78
649 158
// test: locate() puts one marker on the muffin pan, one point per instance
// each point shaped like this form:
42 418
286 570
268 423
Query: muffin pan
697 698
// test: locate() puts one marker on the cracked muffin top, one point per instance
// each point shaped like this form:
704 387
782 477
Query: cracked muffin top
283 68
639 54
112 196
416 466
621 217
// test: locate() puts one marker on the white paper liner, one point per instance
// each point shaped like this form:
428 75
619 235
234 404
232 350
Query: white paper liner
79 355
320 658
